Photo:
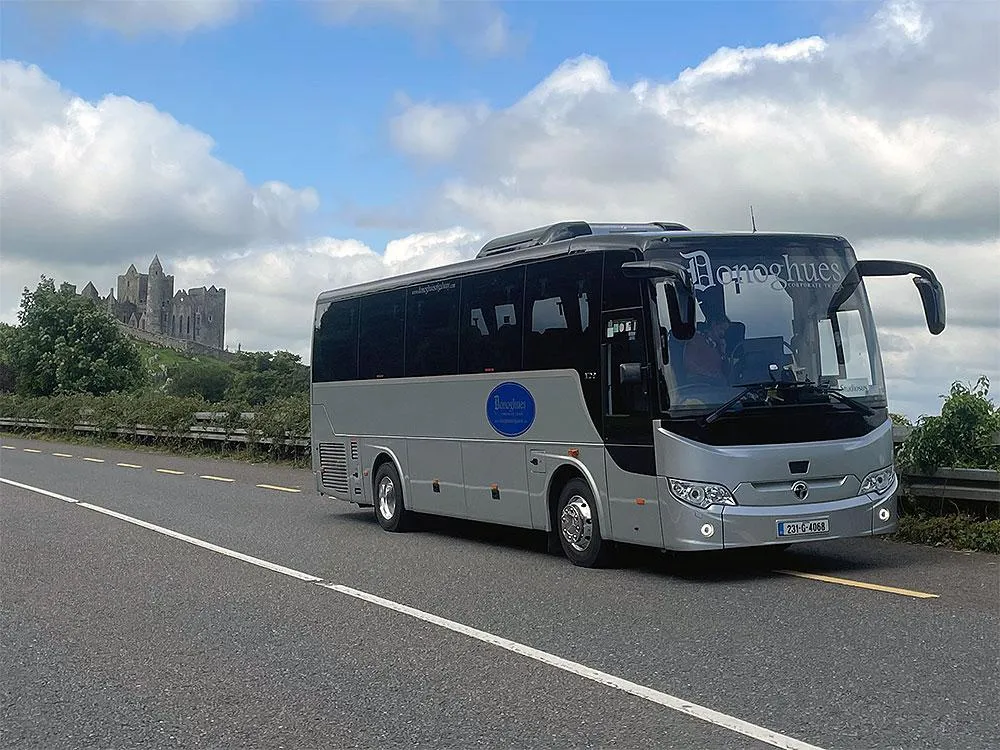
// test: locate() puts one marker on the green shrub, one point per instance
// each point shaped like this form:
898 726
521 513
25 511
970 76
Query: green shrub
961 436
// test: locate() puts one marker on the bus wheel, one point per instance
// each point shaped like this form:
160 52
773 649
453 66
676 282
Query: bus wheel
389 509
578 526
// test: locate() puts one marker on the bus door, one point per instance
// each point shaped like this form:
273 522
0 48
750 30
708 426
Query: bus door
628 388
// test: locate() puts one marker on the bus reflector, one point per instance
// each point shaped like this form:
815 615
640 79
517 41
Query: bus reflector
574 452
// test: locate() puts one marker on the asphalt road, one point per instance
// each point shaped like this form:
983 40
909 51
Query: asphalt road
118 635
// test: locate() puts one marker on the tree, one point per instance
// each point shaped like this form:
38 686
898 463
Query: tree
66 344
263 377
208 380
961 436
7 379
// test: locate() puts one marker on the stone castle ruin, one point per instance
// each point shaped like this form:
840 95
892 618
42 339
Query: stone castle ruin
147 302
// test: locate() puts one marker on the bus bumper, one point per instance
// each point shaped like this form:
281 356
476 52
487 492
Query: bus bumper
732 526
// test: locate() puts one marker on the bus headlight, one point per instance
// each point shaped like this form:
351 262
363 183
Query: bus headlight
700 494
878 481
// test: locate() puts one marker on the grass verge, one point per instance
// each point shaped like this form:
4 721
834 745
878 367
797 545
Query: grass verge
958 531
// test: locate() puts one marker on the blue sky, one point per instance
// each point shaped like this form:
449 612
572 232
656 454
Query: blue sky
289 97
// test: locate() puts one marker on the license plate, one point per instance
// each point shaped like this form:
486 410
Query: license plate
797 528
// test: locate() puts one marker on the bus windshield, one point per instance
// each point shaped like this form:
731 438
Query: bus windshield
763 315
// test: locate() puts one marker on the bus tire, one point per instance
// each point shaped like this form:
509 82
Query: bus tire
578 527
390 512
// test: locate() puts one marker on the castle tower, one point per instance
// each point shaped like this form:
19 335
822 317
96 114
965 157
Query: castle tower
213 329
160 292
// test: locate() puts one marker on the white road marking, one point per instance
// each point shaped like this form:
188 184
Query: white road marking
603 678
40 491
130 466
94 460
9 448
31 450
173 534
217 479
640 691
169 471
63 455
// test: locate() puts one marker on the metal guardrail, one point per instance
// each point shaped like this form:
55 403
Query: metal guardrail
975 485
196 432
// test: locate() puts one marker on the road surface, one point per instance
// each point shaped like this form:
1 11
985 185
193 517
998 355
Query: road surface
162 601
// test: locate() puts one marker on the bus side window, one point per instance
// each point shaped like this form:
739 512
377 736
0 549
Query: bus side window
380 349
432 323
561 298
335 343
490 321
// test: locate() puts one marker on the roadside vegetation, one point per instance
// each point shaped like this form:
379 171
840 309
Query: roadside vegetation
964 435
67 363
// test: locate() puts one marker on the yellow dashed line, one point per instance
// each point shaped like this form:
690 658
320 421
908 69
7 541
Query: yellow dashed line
859 584
63 455
131 466
217 479
30 450
169 471
94 460
276 487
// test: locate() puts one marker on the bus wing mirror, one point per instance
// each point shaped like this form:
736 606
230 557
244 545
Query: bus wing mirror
679 289
930 289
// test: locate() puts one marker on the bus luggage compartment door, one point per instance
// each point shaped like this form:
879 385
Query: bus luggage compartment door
496 483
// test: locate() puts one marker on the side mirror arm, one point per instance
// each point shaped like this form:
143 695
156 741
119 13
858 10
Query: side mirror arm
930 289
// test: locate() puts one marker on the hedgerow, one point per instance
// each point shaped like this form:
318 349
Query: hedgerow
170 419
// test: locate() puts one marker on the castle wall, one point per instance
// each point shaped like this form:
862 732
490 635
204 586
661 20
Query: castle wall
169 342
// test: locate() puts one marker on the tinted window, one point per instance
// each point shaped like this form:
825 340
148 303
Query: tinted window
432 329
335 342
619 292
492 308
562 311
381 344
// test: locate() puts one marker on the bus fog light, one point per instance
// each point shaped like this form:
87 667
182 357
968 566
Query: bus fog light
707 530
700 494
883 514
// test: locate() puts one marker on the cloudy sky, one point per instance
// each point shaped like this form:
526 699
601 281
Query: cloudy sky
282 149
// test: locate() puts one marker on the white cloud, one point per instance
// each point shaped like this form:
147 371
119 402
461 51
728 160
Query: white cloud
890 131
479 28
133 17
99 180
888 135
432 132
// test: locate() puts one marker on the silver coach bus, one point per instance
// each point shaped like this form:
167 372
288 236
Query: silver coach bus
636 383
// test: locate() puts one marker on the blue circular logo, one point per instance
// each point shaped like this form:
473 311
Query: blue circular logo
510 409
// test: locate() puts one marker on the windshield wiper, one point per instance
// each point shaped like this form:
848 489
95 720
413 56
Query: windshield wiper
751 388
748 388
827 390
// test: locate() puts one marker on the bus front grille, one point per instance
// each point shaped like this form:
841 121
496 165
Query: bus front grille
333 467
